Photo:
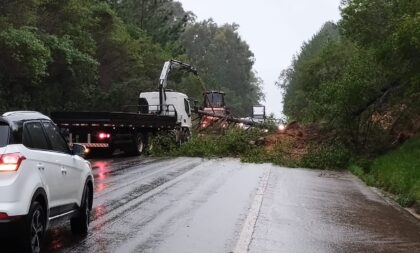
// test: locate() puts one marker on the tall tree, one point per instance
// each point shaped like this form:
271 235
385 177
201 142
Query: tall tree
299 82
225 63
163 20
24 61
363 83
391 31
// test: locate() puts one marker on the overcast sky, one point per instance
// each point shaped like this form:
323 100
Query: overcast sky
274 29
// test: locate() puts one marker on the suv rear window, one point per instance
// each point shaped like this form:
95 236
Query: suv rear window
34 137
57 141
4 135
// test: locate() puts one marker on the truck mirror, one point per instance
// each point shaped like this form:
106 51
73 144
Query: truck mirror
64 132
78 149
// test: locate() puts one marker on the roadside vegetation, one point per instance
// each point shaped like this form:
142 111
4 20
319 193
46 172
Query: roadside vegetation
398 172
358 80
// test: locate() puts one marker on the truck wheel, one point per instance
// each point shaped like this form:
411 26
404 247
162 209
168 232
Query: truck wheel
149 143
139 144
34 229
137 148
80 223
102 152
185 135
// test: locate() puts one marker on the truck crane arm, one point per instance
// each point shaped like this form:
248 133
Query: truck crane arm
173 64
163 80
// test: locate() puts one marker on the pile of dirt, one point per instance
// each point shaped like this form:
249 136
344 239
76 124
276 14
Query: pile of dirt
293 140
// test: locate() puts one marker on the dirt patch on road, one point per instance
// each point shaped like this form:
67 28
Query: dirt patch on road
293 141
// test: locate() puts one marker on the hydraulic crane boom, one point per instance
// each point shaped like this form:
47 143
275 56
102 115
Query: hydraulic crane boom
174 64
163 80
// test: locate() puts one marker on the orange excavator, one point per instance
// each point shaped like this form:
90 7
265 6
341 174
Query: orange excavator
215 117
213 112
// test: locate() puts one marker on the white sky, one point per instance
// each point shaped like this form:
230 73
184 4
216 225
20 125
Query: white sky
274 29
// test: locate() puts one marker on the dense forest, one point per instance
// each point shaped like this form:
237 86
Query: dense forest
99 54
359 79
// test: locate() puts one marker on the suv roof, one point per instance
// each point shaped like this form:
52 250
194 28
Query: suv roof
23 115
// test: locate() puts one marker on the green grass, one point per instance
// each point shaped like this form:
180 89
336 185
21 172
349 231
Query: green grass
397 172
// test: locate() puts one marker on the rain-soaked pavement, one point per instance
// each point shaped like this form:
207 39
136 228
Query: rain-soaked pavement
195 205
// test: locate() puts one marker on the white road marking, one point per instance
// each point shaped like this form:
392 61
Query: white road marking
247 232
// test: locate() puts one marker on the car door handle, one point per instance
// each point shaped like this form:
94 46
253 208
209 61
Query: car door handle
63 171
41 166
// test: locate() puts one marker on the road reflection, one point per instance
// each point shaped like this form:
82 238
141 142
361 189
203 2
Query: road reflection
102 171
98 211
103 167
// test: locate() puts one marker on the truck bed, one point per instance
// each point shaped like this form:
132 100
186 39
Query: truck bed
115 119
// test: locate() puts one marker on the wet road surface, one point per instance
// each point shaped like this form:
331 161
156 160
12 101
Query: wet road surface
196 205
321 211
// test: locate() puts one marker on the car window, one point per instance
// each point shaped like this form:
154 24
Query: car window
57 141
187 106
4 135
33 136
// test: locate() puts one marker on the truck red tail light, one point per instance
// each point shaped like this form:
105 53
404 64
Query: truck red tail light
104 136
10 162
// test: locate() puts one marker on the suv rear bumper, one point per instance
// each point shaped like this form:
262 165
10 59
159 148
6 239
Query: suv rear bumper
11 226
14 209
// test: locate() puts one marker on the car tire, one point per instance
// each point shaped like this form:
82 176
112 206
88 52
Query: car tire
80 223
34 228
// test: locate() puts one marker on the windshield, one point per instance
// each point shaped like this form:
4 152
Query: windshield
215 100
4 135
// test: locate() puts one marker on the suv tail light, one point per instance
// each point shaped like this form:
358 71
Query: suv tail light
10 162
4 216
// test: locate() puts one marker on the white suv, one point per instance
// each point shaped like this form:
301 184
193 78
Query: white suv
41 179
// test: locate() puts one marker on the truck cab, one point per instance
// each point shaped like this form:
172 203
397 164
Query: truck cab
176 103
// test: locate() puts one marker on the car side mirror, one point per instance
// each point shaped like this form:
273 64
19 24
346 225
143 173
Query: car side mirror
78 149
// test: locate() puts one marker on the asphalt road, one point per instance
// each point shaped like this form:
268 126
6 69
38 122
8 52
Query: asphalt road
195 205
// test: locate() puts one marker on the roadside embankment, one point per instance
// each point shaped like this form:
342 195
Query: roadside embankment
397 172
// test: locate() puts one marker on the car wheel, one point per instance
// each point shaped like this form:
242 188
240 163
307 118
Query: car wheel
80 223
34 228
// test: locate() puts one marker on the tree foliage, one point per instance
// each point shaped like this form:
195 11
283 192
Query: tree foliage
360 79
24 61
98 54
225 63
